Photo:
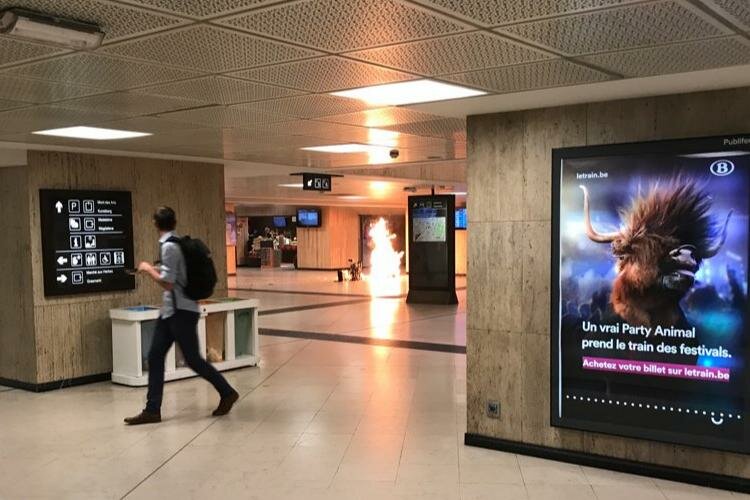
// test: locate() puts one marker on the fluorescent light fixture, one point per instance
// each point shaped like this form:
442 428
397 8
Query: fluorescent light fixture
50 29
346 148
93 133
295 185
352 197
411 92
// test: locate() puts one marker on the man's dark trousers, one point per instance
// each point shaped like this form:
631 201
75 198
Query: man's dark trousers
181 327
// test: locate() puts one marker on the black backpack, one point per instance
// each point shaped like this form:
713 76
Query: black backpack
201 273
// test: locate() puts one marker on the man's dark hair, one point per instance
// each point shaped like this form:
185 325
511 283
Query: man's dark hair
165 219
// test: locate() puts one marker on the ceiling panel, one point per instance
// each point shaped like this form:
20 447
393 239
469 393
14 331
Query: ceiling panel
165 142
381 117
397 140
158 126
220 90
196 138
325 133
329 131
446 152
11 104
130 104
200 9
324 75
676 58
308 106
344 25
38 91
449 128
621 28
14 51
96 70
209 48
555 73
262 140
118 21
46 117
223 116
453 54
737 11
496 12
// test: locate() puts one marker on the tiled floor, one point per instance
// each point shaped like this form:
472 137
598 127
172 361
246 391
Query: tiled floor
319 282
347 308
382 319
317 420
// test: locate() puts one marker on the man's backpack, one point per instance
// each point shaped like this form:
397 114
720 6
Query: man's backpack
201 273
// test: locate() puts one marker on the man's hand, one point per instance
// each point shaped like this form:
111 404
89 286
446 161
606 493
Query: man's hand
145 267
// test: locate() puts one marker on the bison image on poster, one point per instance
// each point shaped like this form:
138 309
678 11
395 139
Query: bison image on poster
650 291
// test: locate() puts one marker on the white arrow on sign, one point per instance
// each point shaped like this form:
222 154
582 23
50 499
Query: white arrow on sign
59 206
62 260
62 278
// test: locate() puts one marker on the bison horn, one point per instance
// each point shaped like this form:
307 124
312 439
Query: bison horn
590 231
714 249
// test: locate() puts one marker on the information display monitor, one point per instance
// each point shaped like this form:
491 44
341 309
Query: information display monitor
461 218
308 217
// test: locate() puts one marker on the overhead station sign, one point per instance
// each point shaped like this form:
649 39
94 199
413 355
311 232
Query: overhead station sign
87 241
316 182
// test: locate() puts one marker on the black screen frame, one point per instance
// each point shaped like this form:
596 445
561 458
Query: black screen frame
673 146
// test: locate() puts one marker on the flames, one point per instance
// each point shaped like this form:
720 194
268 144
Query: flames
385 262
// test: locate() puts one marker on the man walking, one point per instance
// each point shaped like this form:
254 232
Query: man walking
178 322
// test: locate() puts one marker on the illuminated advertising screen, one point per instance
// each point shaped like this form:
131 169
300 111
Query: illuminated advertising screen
649 291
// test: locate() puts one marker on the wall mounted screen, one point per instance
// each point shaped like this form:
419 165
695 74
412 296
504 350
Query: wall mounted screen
87 241
461 218
279 221
308 217
429 224
649 291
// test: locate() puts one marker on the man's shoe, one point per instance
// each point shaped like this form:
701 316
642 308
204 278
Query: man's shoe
226 404
145 417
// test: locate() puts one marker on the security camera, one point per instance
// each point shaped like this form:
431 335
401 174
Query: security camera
394 153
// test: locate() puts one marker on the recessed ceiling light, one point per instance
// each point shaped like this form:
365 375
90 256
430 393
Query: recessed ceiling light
346 148
295 185
411 92
94 133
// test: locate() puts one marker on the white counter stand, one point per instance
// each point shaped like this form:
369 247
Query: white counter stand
133 329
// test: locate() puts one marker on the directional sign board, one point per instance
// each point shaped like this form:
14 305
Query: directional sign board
87 241
316 182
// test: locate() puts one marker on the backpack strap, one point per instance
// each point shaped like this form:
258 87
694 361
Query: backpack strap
175 240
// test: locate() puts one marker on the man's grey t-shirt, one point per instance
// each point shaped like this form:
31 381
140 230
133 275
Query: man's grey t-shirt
174 270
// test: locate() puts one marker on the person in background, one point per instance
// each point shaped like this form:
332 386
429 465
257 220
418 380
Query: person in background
178 322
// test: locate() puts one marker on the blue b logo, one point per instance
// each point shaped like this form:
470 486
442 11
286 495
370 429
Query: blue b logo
722 167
